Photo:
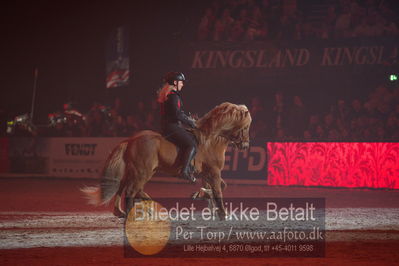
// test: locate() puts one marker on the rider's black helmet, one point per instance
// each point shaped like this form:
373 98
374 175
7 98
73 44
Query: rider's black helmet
172 76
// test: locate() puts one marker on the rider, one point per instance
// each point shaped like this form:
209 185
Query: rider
173 119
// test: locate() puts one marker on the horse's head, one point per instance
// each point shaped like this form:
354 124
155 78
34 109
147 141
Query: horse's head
229 121
239 136
238 131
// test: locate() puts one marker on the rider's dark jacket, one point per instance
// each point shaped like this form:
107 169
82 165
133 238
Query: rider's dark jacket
172 120
172 111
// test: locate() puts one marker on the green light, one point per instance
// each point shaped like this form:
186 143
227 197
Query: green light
393 77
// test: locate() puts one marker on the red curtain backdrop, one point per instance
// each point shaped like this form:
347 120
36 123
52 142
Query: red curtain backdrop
333 164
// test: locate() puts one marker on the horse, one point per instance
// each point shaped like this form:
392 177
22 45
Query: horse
133 162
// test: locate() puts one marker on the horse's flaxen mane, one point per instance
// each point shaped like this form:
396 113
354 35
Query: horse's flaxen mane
224 117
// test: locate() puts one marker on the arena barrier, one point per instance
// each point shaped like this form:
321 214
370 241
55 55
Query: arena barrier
60 157
329 164
84 157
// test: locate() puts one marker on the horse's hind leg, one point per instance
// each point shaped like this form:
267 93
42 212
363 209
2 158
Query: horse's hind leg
131 193
118 211
136 176
124 186
142 195
135 190
127 184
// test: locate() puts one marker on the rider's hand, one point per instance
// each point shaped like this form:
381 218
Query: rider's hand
193 116
192 123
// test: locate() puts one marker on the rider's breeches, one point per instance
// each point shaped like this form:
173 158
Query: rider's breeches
179 136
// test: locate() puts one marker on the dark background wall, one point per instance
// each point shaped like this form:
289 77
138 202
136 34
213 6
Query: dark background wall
65 40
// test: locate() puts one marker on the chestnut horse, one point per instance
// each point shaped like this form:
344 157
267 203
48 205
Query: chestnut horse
134 161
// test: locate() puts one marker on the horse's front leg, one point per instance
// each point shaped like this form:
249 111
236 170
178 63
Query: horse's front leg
214 179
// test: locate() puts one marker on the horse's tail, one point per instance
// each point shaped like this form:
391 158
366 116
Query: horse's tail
112 175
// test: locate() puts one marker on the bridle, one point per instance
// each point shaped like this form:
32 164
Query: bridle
236 139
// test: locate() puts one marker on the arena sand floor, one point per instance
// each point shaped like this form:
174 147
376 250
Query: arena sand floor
46 221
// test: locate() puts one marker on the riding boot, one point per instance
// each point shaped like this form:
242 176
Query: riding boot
187 170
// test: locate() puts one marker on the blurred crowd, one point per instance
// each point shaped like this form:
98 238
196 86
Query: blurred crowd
375 118
99 121
288 118
249 20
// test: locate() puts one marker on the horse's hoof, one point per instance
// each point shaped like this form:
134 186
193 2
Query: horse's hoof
223 216
188 176
119 213
206 193
192 180
195 195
